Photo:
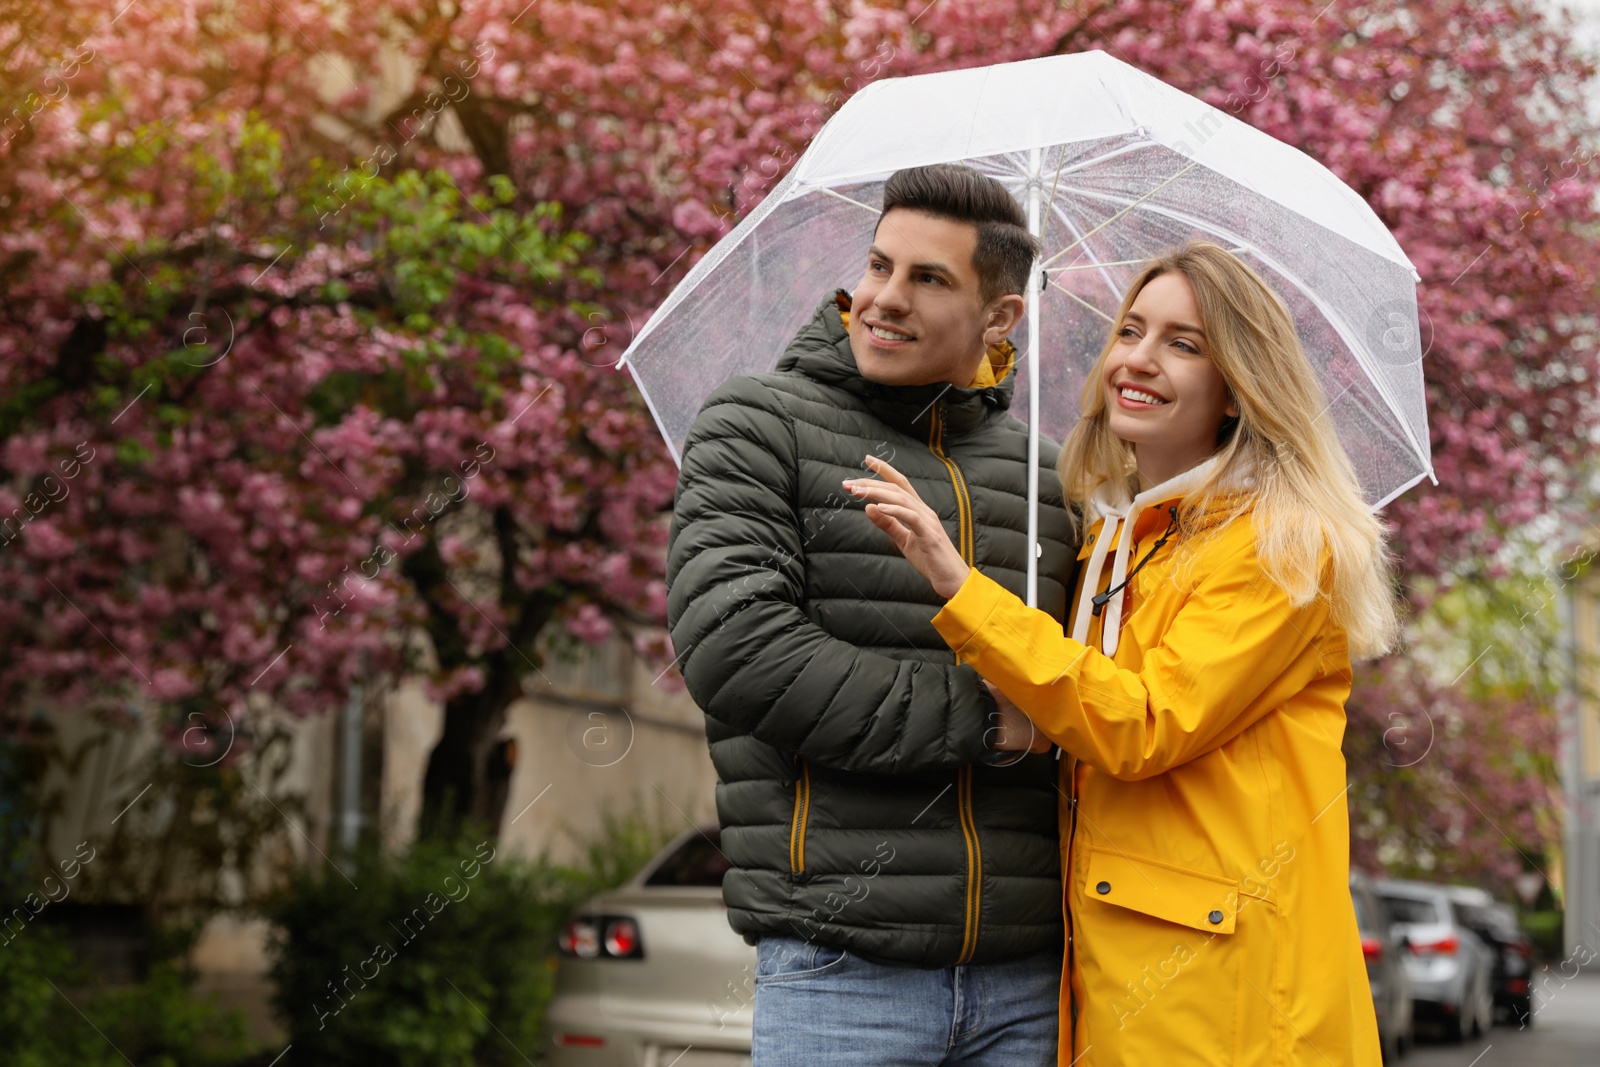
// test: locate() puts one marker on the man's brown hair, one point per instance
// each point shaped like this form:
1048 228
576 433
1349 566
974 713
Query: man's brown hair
1005 251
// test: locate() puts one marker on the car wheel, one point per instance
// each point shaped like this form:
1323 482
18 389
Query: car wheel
1391 1047
1455 1027
1473 1020
1522 1012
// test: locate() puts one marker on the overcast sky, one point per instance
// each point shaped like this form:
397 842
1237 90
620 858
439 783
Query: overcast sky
1588 12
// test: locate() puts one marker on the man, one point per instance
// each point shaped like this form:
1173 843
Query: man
899 877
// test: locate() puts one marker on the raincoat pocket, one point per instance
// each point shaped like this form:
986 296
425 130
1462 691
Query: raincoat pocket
1153 936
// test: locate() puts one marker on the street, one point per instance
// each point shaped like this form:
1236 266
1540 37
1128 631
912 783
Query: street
1565 1032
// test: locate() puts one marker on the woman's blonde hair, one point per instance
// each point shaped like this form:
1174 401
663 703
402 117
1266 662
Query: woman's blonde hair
1282 446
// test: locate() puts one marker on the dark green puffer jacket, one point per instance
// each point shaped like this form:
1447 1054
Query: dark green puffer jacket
860 803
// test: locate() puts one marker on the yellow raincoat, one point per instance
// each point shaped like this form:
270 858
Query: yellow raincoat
1205 841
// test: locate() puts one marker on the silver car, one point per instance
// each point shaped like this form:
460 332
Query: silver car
1386 969
1450 967
651 975
1497 925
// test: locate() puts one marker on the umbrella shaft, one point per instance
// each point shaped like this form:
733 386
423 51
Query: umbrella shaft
1035 222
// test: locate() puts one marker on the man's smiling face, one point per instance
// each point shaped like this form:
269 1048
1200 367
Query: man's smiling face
918 316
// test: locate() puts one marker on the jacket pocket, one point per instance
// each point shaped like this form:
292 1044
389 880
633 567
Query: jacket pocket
1204 902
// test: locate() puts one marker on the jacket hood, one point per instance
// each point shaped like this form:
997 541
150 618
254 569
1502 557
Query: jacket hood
821 350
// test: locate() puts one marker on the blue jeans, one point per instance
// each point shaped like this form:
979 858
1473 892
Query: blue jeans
818 1006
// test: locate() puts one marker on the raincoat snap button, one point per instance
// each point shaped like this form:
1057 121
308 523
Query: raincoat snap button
1103 888
1215 917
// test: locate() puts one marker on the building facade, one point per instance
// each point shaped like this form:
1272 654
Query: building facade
1580 764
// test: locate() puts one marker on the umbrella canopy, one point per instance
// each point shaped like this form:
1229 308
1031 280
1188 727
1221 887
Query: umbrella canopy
1115 168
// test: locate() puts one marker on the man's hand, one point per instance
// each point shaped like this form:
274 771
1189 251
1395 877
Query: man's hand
1014 731
895 508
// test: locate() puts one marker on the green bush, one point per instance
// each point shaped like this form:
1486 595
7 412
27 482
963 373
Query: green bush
54 1011
621 849
31 1012
441 956
53 1015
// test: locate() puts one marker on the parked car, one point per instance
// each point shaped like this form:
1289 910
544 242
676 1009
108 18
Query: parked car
1386 969
651 974
1497 925
1451 968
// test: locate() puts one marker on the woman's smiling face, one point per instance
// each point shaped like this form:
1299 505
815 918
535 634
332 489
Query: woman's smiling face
1164 395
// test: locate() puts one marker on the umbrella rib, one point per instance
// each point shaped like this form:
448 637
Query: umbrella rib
656 414
1329 405
1334 320
1114 153
1082 301
1237 250
1119 214
1380 505
841 196
1015 157
1055 185
1097 266
1116 293
1018 161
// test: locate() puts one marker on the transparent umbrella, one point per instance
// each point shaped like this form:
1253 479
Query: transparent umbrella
1114 168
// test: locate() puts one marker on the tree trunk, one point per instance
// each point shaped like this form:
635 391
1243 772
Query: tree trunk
469 769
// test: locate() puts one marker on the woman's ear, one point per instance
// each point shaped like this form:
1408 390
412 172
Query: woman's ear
1232 410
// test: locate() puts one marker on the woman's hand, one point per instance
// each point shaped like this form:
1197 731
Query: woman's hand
1013 731
896 509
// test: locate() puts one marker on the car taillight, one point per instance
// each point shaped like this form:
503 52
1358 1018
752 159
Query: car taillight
1445 946
581 938
1372 949
622 938
588 937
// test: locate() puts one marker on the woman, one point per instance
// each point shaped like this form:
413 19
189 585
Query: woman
1200 695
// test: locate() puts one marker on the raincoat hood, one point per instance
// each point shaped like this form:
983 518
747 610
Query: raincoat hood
1115 517
822 351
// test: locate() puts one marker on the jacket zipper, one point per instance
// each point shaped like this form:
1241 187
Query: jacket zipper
964 530
1066 909
1068 878
969 828
969 824
802 812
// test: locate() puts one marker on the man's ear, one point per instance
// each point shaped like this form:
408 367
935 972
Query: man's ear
1001 317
